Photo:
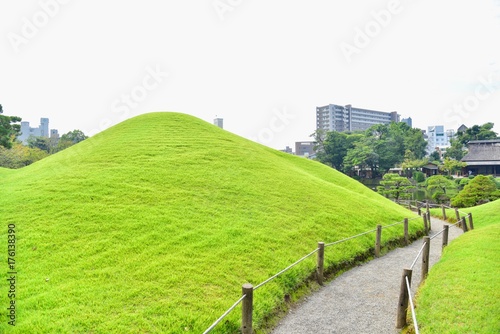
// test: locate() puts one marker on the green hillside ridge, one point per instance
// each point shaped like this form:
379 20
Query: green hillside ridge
154 224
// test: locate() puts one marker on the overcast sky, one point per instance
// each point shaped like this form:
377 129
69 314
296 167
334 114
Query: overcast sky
262 66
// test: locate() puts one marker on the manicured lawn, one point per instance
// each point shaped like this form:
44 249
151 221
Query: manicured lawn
461 293
152 226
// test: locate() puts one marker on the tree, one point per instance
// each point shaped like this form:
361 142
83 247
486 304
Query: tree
415 142
20 156
333 147
440 183
478 132
456 150
434 156
363 156
451 166
42 143
479 190
379 148
74 136
9 129
69 139
395 142
395 186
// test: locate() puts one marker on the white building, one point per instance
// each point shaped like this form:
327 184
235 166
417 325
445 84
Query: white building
438 139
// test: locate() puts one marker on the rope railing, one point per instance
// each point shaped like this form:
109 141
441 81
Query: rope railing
418 255
387 226
405 296
295 264
209 329
350 238
413 314
285 270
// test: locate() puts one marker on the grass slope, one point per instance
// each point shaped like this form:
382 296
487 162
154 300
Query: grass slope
153 225
461 293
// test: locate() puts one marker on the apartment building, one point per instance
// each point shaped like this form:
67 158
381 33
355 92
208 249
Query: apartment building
334 117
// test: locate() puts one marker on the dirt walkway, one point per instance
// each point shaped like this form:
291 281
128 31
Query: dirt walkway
364 299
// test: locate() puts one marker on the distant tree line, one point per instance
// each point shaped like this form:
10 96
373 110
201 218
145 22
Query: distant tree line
457 150
385 146
13 154
377 149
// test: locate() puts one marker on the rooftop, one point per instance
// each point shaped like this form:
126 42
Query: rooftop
487 151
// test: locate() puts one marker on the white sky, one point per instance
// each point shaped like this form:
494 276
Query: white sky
263 66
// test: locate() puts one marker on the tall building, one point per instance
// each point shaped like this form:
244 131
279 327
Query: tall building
219 122
407 121
438 139
41 131
333 117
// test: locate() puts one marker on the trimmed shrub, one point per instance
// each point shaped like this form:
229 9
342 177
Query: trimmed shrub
479 190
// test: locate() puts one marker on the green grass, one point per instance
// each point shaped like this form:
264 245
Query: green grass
461 293
153 225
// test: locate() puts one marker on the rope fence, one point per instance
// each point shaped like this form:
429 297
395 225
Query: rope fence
285 270
209 329
248 289
413 314
405 292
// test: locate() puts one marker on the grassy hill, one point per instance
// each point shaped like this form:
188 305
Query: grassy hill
153 225
461 294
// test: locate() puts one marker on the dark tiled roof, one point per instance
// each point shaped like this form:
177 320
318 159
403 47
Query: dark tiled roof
483 150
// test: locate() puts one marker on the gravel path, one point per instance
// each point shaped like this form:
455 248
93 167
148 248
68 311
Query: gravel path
364 299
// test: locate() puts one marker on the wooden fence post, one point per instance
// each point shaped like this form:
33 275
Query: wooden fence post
471 223
321 261
426 229
247 309
429 220
425 258
419 210
464 224
444 211
378 240
445 236
406 231
457 214
404 298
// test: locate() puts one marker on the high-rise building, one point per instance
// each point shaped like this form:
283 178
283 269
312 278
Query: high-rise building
334 117
407 121
41 131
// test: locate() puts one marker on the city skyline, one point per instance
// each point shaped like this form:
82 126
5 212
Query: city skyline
262 67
